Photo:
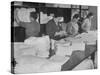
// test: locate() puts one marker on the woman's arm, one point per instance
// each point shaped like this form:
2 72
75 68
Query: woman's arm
69 29
85 25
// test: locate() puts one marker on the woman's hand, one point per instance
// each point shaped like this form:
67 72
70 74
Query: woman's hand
61 33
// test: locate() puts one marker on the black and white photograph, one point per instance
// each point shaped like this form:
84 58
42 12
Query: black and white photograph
53 37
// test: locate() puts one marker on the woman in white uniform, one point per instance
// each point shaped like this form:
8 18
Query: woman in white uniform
87 23
72 27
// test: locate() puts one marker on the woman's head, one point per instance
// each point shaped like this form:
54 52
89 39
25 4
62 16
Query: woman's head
76 17
58 18
90 15
33 16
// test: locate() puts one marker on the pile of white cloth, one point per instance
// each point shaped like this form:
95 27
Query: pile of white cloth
64 48
89 38
42 43
44 18
37 46
24 14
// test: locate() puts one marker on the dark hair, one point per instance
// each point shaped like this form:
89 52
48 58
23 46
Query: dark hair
81 19
76 16
89 14
33 15
58 15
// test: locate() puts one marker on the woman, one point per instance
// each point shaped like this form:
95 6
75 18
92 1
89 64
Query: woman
72 27
31 28
87 22
53 29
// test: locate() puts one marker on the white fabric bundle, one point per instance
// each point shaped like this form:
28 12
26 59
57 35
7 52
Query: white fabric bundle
89 37
37 46
63 50
41 44
24 14
44 18
67 48
78 46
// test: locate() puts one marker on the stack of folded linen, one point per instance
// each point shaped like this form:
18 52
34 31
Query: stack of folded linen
78 46
67 47
89 38
63 50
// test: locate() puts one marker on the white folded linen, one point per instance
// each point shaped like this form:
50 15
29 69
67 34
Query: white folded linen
63 50
67 48
78 46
